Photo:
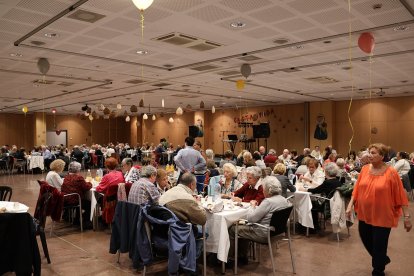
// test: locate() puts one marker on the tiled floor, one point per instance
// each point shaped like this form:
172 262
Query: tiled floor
73 253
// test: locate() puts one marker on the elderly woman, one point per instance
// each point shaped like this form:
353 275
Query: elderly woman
228 158
53 177
325 189
131 174
144 191
279 171
75 183
252 190
313 177
113 177
209 154
228 182
161 181
343 175
379 198
402 166
262 214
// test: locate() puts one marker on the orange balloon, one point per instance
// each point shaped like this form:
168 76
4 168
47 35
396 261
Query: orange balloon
366 42
240 84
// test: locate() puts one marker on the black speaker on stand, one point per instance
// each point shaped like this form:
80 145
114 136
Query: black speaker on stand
193 131
261 131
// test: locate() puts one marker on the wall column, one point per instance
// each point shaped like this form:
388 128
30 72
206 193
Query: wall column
40 129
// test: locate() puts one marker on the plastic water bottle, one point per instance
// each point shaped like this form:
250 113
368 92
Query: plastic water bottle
217 191
99 174
89 176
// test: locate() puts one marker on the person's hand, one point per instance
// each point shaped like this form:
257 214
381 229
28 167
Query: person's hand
348 212
253 203
301 177
407 225
236 199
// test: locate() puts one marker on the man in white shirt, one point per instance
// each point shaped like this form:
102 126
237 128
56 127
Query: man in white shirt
285 156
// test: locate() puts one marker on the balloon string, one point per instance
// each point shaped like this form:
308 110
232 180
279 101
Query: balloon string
351 76
109 140
370 98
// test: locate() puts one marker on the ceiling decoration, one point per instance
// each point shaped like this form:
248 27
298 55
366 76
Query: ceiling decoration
298 52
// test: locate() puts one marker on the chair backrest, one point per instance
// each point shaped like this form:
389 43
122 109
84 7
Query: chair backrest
279 220
4 192
41 208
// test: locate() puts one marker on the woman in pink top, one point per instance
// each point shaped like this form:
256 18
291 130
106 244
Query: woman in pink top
113 177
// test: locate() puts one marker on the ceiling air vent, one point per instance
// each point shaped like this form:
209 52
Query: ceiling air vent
188 41
322 80
187 96
86 16
205 67
161 84
63 83
40 81
135 81
229 73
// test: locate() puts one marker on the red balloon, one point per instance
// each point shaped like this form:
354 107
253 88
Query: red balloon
58 131
366 42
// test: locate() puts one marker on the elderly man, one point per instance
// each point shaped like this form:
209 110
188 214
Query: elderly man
144 191
262 151
252 190
189 159
306 153
285 156
181 202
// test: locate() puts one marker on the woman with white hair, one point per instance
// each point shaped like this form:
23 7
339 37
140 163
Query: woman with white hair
252 190
228 182
262 214
325 189
53 178
209 154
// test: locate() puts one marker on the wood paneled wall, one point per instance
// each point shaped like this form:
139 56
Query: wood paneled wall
393 119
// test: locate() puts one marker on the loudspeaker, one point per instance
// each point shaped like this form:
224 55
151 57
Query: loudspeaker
261 131
193 131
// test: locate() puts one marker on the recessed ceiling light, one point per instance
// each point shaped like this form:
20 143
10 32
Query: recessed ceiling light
16 55
51 35
168 65
347 68
404 81
238 24
224 61
327 41
401 28
331 94
142 52
377 6
298 47
223 103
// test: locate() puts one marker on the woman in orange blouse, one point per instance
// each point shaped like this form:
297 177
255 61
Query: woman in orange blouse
379 197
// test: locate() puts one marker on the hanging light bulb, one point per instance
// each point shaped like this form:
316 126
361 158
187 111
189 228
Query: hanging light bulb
141 103
142 4
25 109
86 113
213 110
179 111
162 102
90 117
201 104
171 120
145 117
118 106
54 111
154 117
127 119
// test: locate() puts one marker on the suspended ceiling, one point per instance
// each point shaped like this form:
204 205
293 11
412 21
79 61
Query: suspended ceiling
299 51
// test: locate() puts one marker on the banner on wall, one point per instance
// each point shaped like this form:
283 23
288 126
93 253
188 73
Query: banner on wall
254 116
321 129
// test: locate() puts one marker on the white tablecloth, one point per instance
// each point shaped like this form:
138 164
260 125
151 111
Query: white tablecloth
303 207
36 162
131 152
218 240
91 196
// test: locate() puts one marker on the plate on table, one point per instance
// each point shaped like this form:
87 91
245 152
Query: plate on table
13 207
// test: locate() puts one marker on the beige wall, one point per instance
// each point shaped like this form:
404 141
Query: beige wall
393 118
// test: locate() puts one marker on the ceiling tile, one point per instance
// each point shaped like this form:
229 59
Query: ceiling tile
210 13
245 5
270 15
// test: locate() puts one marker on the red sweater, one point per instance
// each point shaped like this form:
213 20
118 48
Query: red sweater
247 193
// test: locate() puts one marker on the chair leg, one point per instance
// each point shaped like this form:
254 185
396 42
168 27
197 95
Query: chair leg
204 251
291 255
236 240
44 245
271 254
119 255
80 217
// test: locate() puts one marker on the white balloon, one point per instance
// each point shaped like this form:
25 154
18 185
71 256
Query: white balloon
43 65
142 4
